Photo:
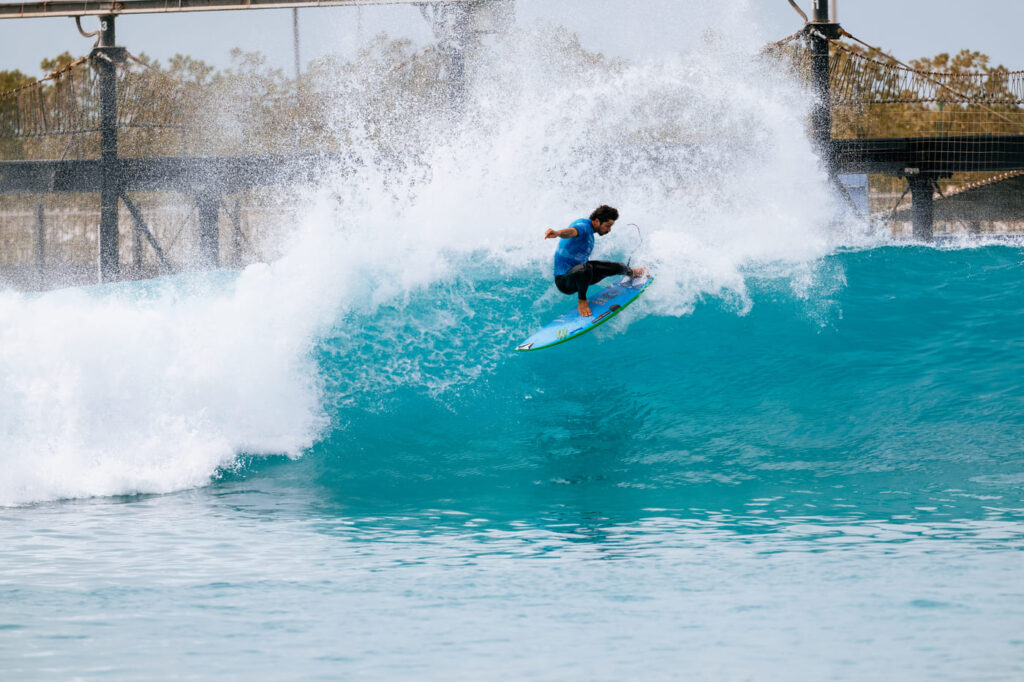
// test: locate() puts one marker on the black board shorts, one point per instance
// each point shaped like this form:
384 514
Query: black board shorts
583 275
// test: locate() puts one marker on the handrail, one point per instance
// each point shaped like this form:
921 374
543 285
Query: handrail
82 8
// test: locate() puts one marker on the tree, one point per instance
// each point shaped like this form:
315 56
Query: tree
57 63
11 80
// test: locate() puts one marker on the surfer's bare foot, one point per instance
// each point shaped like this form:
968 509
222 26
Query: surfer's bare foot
584 309
639 272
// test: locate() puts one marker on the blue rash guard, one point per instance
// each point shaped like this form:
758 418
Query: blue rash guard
576 250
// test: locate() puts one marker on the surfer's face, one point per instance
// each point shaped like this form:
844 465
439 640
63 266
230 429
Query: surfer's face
603 228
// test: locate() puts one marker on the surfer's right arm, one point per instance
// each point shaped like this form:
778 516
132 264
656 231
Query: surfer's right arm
567 233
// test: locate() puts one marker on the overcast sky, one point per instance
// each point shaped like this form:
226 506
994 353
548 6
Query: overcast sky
630 28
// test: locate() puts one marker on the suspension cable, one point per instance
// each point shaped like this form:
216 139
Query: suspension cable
799 11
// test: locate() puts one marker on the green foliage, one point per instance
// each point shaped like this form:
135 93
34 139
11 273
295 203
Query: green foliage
188 70
57 63
965 61
11 80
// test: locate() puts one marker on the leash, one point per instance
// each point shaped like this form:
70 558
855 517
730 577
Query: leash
640 242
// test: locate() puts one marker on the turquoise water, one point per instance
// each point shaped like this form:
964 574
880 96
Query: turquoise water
796 457
820 477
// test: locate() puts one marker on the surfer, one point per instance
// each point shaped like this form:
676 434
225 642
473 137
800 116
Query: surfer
574 273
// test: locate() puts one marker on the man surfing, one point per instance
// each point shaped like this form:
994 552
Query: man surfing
574 273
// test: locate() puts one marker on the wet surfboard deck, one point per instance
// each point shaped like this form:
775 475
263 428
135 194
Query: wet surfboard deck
608 303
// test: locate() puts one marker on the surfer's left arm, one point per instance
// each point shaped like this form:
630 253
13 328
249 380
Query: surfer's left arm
567 233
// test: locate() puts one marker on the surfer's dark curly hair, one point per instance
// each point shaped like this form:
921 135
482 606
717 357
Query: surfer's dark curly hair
604 213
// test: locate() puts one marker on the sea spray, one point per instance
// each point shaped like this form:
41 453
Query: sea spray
116 393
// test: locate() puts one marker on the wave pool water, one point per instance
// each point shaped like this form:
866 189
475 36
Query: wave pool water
829 485
797 456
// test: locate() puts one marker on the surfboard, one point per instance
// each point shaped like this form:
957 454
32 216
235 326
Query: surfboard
608 303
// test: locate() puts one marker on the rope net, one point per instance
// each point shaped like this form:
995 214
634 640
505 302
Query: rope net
875 97
58 117
955 99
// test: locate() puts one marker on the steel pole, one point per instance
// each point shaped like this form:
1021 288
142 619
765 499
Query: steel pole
40 246
208 203
922 210
104 58
821 116
821 30
295 38
820 13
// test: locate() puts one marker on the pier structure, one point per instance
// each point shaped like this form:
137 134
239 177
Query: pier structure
872 115
457 25
952 122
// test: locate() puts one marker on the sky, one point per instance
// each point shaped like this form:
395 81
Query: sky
623 28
